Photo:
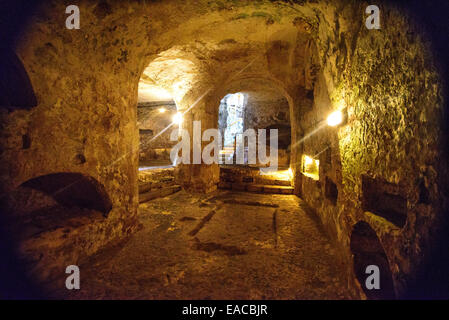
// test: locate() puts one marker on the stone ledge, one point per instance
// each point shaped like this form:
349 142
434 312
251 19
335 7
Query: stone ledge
256 188
147 196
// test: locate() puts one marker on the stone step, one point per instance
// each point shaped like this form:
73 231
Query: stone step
242 174
258 181
158 193
256 188
262 181
151 185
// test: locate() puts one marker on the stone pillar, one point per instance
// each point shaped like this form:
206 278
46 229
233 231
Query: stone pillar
201 177
296 135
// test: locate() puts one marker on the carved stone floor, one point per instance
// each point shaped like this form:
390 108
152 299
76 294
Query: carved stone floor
227 245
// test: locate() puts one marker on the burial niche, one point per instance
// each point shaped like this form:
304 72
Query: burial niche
367 250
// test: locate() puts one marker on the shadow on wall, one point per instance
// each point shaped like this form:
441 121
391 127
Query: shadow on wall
16 91
432 19
40 223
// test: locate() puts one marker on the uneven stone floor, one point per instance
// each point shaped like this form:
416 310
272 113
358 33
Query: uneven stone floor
223 246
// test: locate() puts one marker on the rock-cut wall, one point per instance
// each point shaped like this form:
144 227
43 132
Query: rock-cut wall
384 165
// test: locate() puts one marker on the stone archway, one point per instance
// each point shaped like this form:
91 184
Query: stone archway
73 189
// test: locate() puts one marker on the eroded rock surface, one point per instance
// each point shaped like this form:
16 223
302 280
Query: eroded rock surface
203 247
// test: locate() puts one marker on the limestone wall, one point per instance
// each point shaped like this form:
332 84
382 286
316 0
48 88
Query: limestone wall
390 86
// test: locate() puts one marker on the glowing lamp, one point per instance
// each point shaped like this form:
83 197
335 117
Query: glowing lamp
308 160
335 118
162 110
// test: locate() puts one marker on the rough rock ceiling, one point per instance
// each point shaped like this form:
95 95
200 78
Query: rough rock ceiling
216 63
258 89
173 74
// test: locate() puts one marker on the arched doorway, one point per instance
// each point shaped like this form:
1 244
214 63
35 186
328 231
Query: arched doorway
250 111
255 104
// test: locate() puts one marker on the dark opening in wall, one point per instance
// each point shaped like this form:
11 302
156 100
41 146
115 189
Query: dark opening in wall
328 156
424 197
146 131
26 141
367 250
16 91
309 94
80 158
248 179
284 135
384 199
331 191
73 190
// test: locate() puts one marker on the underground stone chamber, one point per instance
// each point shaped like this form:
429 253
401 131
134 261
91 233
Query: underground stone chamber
86 170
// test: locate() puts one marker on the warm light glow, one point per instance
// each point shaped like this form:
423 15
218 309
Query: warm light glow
335 118
310 167
285 175
290 173
177 118
162 110
149 92
307 160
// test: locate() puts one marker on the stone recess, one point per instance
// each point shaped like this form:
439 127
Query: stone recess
154 140
317 55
